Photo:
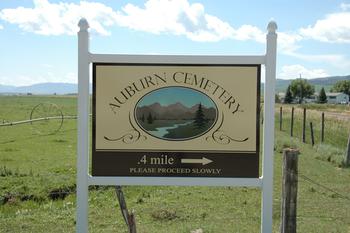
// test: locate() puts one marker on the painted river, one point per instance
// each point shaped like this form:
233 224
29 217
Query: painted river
162 131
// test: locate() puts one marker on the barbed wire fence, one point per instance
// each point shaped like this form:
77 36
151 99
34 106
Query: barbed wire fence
52 114
330 194
64 192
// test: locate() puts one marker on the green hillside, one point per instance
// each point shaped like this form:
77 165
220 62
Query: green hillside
327 83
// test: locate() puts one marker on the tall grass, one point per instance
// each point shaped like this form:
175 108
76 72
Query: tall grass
336 130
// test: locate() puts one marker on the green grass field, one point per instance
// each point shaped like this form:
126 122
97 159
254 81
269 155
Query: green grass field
37 186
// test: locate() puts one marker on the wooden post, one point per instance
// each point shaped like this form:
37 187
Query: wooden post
347 155
128 218
289 191
322 127
281 118
312 135
261 114
304 124
292 122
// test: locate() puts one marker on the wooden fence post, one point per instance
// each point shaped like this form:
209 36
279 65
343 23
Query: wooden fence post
289 191
347 155
281 118
261 114
322 127
312 134
128 218
304 124
292 122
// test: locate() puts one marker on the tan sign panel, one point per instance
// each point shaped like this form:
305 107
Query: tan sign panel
174 120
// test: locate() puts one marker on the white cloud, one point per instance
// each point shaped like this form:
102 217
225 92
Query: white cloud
248 32
334 28
174 17
57 19
71 77
156 16
182 18
287 42
345 6
337 60
294 71
1 27
47 66
48 77
177 18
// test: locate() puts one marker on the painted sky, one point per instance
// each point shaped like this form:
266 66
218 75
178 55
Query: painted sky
38 40
171 95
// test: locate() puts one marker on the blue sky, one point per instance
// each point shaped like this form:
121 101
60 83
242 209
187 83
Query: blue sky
171 95
38 40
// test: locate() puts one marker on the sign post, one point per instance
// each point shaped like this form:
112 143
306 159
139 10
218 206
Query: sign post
175 120
83 127
269 127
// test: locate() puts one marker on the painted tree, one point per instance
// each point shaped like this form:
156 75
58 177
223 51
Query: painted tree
301 89
199 119
143 118
288 98
149 118
322 98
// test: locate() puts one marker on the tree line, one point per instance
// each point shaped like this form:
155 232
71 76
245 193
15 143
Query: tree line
299 89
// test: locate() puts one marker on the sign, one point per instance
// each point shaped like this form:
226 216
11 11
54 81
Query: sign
170 120
176 120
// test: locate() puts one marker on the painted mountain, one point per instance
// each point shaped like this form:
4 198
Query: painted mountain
176 111
175 121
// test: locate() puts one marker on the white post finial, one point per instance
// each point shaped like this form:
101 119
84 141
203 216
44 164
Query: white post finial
83 24
272 27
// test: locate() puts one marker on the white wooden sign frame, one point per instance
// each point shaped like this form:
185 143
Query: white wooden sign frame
84 179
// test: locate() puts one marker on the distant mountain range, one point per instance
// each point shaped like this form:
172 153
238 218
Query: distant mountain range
175 111
42 89
70 88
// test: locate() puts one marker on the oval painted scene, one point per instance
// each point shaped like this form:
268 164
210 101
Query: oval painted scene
176 113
